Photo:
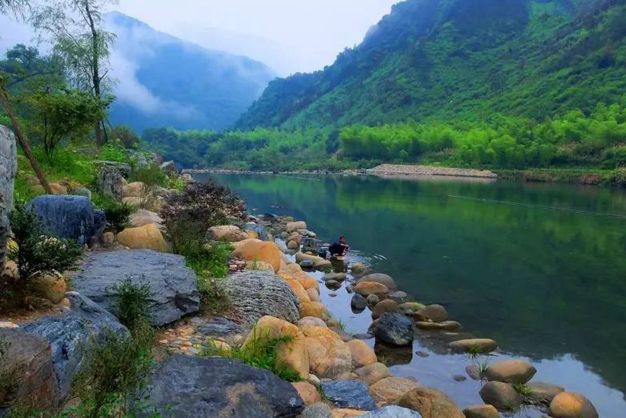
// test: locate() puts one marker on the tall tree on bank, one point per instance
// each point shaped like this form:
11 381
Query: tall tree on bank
80 40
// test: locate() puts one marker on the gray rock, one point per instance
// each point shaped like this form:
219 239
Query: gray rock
219 327
71 217
27 360
349 394
395 329
8 169
399 296
333 285
543 393
259 229
307 264
372 300
501 395
71 334
392 411
81 191
435 313
190 387
317 410
254 294
169 167
358 303
338 277
110 181
439 326
173 286
380 278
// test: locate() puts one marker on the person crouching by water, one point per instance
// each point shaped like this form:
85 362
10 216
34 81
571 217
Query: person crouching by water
340 248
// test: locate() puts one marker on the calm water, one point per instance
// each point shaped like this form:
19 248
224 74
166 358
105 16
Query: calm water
539 268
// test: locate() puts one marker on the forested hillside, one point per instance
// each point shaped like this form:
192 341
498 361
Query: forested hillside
443 59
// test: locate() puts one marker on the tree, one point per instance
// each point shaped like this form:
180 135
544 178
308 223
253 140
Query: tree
13 6
124 134
80 40
62 114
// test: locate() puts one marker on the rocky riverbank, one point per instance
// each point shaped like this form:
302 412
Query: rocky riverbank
272 295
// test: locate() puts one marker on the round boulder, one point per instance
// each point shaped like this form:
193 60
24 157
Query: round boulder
502 396
390 389
228 233
431 403
366 288
384 306
473 345
395 329
147 237
572 405
481 411
380 278
435 313
510 371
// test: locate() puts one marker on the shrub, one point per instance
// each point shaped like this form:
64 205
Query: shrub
113 152
261 352
190 213
117 214
125 136
114 375
132 304
151 175
36 251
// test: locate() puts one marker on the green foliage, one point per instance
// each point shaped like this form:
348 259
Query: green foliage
132 303
523 389
38 252
114 152
151 175
261 351
114 375
61 115
125 136
117 213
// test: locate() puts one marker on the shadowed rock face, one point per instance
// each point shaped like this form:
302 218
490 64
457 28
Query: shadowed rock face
8 168
71 217
68 334
28 360
173 289
254 294
186 387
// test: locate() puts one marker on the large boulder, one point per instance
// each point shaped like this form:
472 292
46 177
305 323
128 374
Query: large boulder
348 394
71 217
572 405
292 354
390 389
8 169
380 278
431 403
257 250
144 217
147 237
435 313
313 260
26 360
255 294
229 233
473 345
173 288
543 393
502 396
481 411
362 354
395 329
510 371
329 355
372 373
70 334
189 387
110 181
365 288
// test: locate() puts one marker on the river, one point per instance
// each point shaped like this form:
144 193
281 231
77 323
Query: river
540 268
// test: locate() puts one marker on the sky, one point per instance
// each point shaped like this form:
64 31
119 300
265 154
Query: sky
288 35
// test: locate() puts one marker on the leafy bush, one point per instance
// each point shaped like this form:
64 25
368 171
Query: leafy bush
114 152
37 251
190 213
151 175
125 136
261 352
132 305
114 375
117 213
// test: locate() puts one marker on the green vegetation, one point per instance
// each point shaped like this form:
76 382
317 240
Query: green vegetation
260 351
117 214
113 379
36 251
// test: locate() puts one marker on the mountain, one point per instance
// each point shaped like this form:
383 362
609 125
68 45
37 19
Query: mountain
163 81
461 59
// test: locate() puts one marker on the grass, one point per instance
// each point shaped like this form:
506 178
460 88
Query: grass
132 304
261 352
523 389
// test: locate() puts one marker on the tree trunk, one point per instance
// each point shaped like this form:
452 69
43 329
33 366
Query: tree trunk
21 136
96 80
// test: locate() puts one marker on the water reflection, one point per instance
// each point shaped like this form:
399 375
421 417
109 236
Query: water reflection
539 268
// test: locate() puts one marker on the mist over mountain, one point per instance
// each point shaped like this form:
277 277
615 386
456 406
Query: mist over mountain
448 59
165 81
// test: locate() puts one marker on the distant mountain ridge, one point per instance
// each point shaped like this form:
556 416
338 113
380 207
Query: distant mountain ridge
443 59
163 81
